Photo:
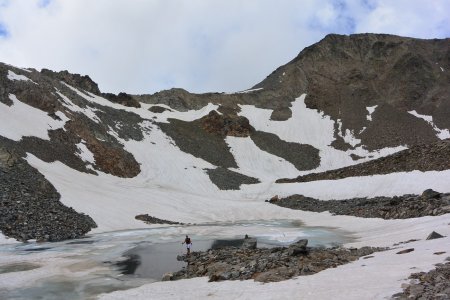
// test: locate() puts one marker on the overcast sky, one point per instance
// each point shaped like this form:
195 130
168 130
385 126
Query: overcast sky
143 46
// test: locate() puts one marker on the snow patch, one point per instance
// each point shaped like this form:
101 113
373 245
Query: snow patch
84 153
249 91
348 135
254 162
88 111
371 110
13 76
21 120
441 133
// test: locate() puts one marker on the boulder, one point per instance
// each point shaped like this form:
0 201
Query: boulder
430 194
167 277
298 248
405 251
434 235
249 243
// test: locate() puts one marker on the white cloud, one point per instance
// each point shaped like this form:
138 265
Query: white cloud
143 46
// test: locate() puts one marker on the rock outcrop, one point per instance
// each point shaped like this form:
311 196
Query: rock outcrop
398 207
266 265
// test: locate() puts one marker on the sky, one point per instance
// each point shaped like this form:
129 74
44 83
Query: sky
144 46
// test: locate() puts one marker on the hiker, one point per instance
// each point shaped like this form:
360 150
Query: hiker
188 243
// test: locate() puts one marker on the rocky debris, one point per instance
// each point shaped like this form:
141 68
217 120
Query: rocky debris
302 156
405 251
153 220
226 124
123 99
75 80
226 179
424 157
434 235
434 284
30 206
266 265
397 207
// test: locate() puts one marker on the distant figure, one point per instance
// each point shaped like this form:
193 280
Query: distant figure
188 243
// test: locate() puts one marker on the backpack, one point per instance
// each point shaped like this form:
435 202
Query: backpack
187 240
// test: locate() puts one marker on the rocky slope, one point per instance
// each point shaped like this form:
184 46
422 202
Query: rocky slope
425 157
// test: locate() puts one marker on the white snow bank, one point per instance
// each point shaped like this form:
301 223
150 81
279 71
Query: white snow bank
21 120
6 240
441 133
393 184
13 76
254 162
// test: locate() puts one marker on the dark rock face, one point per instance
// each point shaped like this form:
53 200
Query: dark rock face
401 207
158 109
190 137
76 80
153 220
226 179
123 99
434 284
424 157
302 156
226 125
266 265
30 207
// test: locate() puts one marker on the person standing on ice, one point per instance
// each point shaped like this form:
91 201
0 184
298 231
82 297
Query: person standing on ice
188 243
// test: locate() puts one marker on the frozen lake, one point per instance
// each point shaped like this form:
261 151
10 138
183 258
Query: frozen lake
105 262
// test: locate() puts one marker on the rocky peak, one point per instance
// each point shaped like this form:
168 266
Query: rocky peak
83 82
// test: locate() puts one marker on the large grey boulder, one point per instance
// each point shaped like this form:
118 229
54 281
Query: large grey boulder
298 248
